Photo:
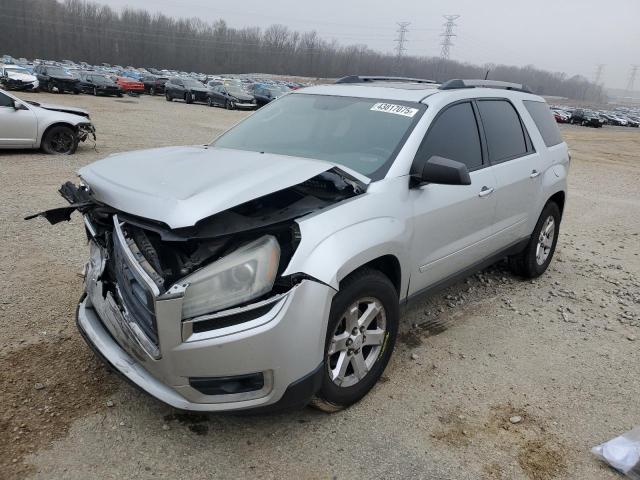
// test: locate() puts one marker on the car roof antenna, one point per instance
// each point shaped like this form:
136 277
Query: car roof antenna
486 75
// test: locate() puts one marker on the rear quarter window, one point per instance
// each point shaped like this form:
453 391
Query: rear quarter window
545 121
505 136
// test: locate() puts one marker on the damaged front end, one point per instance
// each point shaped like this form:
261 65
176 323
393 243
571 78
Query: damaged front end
227 268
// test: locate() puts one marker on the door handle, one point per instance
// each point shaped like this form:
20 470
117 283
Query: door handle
534 174
485 191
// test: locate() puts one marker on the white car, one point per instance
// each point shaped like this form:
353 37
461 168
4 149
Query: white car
14 77
53 128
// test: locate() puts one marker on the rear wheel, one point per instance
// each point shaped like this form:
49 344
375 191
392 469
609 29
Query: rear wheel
188 97
209 101
228 105
534 260
167 97
361 334
152 91
60 140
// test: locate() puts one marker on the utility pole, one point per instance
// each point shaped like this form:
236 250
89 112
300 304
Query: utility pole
597 77
632 79
447 35
401 40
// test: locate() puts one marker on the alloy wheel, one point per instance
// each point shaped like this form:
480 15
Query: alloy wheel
62 142
545 240
357 342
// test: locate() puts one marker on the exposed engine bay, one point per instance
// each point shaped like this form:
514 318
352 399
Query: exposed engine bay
168 255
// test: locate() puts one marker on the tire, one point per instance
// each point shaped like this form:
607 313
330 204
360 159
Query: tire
60 140
534 260
119 94
363 290
50 87
76 91
209 101
152 91
168 97
228 105
188 98
95 91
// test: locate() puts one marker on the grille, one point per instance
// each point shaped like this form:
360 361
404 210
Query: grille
135 296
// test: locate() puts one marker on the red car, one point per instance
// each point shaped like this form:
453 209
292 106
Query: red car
130 84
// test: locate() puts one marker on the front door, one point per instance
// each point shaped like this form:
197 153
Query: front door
17 127
452 224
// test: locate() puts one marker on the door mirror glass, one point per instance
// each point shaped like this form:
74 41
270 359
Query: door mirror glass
440 170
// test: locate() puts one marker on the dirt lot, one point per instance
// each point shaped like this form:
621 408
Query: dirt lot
561 352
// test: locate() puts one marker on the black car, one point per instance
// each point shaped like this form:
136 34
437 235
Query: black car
52 77
586 119
96 84
231 97
187 89
265 94
153 84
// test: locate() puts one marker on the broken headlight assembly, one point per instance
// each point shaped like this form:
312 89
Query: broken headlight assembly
244 274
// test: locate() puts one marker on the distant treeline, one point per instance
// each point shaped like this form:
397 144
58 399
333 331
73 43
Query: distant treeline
94 33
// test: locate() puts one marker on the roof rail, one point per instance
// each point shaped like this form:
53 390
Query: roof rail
458 83
367 79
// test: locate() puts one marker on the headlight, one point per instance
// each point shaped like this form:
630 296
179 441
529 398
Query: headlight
244 274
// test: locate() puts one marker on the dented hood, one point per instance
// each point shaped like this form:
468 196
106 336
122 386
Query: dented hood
60 108
181 185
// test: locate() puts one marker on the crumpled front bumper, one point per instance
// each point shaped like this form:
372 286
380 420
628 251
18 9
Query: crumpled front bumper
286 344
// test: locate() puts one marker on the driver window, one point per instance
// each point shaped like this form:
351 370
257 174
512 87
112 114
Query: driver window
454 135
5 101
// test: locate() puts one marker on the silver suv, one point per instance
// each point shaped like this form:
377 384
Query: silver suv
267 269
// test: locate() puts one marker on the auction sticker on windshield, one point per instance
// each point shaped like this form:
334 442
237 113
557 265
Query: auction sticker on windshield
395 109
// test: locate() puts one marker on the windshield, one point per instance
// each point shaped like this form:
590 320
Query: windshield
16 69
236 91
56 71
360 133
190 82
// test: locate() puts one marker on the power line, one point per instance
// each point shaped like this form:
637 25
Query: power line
401 39
447 35
632 79
597 77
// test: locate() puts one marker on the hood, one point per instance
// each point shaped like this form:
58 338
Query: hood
243 96
199 89
60 108
23 77
181 185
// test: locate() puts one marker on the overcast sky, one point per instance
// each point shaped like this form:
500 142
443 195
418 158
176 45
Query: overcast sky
571 36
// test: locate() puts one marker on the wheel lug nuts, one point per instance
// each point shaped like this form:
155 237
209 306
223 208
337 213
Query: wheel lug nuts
362 328
349 341
354 331
349 352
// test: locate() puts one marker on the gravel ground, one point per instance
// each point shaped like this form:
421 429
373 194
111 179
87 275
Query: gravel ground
560 353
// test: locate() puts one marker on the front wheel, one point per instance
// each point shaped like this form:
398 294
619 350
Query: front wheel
95 91
229 105
168 97
60 140
534 260
361 334
152 91
188 98
209 101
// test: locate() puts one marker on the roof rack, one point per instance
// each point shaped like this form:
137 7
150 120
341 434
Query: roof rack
458 83
367 79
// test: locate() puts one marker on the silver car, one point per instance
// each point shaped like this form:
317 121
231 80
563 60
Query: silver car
267 269
55 129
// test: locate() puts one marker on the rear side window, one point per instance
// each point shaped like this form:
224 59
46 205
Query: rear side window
5 101
505 137
545 121
454 135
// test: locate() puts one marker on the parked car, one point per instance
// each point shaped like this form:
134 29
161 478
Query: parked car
55 129
130 85
586 119
265 94
153 84
14 77
96 84
187 89
53 78
231 97
269 267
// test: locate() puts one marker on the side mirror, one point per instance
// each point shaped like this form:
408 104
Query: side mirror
439 170
18 106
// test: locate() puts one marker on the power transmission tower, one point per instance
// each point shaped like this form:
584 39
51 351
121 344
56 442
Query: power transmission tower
402 39
447 35
597 77
632 79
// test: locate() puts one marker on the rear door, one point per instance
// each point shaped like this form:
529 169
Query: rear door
517 167
17 127
452 223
